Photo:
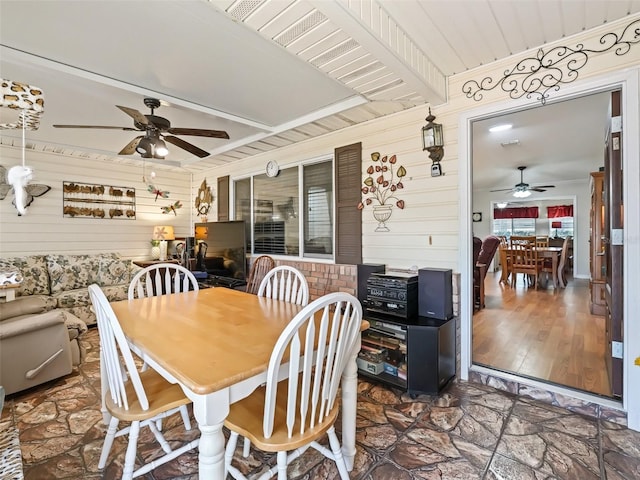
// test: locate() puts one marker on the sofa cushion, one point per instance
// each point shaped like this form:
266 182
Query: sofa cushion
34 273
27 305
114 271
78 302
70 272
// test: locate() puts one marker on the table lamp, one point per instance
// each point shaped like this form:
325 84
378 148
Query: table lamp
163 233
556 225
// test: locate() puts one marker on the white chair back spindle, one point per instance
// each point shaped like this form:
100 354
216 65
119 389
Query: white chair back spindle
331 326
285 283
160 279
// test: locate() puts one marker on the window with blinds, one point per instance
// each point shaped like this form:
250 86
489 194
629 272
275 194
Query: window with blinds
271 209
514 226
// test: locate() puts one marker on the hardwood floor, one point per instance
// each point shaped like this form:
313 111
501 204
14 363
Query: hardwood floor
543 334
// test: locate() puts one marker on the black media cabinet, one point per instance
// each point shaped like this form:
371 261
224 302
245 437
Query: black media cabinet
418 355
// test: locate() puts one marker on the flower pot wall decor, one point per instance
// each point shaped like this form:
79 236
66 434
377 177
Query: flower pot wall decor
380 188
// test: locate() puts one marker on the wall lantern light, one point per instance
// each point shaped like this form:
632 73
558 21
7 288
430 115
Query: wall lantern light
433 142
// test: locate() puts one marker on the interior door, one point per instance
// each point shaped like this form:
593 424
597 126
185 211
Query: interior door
613 242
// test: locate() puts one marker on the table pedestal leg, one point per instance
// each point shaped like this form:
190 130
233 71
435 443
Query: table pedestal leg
349 409
210 412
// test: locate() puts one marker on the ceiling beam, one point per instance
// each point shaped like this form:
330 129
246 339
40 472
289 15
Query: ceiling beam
391 45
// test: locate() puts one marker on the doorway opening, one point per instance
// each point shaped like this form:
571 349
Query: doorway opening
547 334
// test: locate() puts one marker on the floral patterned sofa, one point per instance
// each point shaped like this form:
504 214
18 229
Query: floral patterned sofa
65 278
39 329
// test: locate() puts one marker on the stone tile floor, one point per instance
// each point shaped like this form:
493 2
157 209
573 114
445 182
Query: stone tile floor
468 432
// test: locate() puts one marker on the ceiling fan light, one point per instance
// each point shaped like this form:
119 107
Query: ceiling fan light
144 147
521 193
161 148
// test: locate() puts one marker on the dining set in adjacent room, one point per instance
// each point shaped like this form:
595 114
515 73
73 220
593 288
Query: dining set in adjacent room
542 262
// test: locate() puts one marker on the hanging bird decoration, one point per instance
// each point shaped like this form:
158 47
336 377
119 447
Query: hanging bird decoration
23 192
29 100
172 208
157 192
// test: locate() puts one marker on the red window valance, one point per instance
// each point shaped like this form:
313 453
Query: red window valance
560 211
516 212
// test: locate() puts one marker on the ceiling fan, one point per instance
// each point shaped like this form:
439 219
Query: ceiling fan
151 145
524 189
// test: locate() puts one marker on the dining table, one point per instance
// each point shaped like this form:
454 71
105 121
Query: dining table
216 344
543 252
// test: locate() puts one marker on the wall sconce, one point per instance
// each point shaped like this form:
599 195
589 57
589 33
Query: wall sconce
163 233
433 142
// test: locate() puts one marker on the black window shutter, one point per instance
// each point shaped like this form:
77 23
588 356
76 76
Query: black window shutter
348 165
223 199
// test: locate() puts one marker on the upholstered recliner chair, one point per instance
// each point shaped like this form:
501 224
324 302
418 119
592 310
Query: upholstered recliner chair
489 247
37 343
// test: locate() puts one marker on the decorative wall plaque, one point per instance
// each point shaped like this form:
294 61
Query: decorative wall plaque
98 201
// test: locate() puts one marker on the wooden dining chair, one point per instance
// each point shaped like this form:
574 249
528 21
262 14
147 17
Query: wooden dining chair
542 241
289 416
285 283
259 269
564 255
160 279
141 398
524 259
517 240
505 260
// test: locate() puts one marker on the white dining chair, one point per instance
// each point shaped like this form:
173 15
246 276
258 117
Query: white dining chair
160 279
285 283
142 398
282 283
289 416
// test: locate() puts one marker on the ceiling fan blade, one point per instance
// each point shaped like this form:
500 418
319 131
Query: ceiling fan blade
98 126
537 189
130 148
178 142
198 132
135 114
543 186
502 190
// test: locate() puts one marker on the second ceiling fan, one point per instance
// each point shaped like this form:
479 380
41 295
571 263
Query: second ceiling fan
151 144
523 189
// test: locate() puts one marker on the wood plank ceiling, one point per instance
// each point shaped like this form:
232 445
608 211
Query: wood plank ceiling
369 58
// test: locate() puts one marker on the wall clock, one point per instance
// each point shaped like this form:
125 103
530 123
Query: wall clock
477 216
273 169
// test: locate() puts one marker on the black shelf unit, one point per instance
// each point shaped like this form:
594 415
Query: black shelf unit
427 346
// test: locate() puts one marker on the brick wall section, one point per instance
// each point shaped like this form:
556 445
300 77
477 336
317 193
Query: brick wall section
325 278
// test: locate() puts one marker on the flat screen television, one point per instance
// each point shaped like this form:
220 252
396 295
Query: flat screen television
225 248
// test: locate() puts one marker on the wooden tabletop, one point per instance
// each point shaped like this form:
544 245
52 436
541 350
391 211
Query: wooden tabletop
207 340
